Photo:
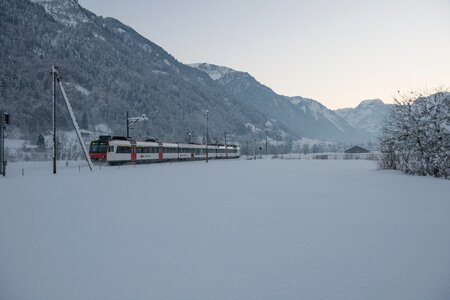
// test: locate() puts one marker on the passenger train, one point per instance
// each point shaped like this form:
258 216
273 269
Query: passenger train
121 150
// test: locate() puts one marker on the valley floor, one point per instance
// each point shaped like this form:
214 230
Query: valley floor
238 229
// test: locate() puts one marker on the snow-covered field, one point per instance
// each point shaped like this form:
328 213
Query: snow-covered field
264 229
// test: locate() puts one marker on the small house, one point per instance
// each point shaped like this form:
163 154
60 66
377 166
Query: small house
357 149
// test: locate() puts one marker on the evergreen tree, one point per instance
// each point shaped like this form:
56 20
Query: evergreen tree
40 142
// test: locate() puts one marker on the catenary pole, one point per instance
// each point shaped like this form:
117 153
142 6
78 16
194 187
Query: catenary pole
266 146
226 149
206 133
128 126
75 125
54 70
254 144
57 80
2 141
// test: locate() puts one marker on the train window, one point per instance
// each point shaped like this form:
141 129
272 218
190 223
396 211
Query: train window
111 149
123 149
102 148
98 147
170 150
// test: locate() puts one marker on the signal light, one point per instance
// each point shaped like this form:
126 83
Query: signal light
6 118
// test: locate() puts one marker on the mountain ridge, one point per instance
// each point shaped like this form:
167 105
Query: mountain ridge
302 116
108 68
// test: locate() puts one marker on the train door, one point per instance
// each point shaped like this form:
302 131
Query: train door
133 150
160 152
133 153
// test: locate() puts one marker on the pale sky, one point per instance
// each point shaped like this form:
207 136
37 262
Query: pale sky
336 52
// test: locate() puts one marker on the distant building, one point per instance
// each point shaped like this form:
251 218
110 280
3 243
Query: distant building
357 149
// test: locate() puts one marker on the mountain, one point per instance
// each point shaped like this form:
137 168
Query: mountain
368 116
108 69
296 116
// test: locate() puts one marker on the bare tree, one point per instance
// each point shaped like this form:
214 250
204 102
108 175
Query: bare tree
416 137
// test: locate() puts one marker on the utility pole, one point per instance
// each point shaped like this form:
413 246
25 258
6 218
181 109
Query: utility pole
254 144
54 75
128 126
133 120
247 149
206 134
226 149
276 149
266 145
2 144
57 79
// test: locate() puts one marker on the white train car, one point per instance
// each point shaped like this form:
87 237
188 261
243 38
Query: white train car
147 152
119 150
169 151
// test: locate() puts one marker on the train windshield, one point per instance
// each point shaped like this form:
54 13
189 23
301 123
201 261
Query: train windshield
98 147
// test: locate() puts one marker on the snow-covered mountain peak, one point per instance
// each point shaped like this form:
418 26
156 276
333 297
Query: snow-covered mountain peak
370 102
66 12
318 110
297 100
369 115
214 71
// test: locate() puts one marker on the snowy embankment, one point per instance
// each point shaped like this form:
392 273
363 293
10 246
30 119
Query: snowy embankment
264 229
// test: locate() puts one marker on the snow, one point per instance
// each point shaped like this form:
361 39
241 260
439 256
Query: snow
84 91
14 144
147 48
120 30
98 36
237 229
369 115
296 101
317 110
251 127
67 12
213 71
